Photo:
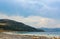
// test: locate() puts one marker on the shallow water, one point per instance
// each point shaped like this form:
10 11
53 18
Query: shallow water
35 33
40 33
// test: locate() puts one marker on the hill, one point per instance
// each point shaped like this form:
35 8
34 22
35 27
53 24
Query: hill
51 29
11 25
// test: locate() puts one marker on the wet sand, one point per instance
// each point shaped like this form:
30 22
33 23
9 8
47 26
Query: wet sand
11 36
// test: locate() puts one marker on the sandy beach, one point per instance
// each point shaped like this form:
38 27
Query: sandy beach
11 36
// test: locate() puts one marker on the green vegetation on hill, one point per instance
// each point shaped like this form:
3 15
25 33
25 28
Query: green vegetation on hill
6 24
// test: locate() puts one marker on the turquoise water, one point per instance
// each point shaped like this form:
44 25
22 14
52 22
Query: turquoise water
40 33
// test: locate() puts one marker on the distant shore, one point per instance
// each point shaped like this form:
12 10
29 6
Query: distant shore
15 36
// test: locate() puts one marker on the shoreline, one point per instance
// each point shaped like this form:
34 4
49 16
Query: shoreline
22 36
49 35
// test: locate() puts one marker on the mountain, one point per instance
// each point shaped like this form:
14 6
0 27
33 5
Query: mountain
11 25
51 29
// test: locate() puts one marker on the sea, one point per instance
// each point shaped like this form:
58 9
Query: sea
35 33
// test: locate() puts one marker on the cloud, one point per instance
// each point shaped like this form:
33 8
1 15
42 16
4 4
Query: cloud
34 21
45 8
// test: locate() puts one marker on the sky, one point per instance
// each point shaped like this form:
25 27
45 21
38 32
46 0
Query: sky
36 13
